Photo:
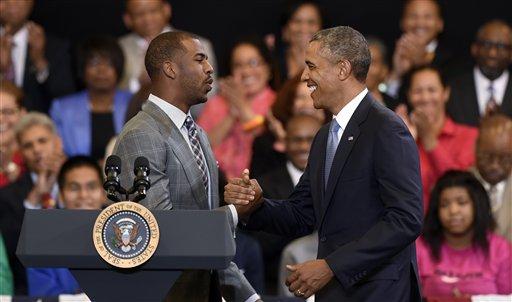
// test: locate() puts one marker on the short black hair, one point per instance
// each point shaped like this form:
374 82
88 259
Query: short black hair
293 6
483 219
165 46
77 162
103 46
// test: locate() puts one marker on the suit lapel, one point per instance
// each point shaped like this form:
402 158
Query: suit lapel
182 151
472 107
506 105
347 142
212 166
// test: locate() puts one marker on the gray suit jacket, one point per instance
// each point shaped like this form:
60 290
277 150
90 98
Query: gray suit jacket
176 184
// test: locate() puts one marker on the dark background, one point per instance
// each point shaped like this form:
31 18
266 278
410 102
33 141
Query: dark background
223 21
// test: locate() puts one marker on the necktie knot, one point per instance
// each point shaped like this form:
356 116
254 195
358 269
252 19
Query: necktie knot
335 126
189 123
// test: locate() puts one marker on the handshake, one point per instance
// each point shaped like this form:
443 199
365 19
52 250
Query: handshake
244 193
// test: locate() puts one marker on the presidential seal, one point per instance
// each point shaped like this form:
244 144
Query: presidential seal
126 234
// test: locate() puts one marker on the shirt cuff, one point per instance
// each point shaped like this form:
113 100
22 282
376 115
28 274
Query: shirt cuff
28 205
253 298
234 214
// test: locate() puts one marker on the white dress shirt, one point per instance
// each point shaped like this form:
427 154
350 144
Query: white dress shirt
18 53
294 172
482 84
178 118
343 117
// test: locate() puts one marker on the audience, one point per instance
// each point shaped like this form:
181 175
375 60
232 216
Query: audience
41 149
250 125
421 24
299 22
443 144
11 109
87 120
458 254
236 115
80 182
487 87
494 168
35 61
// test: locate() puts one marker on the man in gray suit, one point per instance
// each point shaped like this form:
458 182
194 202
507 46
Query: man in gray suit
184 174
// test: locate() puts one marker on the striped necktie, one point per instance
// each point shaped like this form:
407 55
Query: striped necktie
196 150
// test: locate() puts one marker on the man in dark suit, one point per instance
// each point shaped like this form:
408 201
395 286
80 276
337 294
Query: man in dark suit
42 152
487 87
363 194
37 62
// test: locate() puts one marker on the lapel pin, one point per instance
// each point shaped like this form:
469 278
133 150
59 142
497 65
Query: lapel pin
350 138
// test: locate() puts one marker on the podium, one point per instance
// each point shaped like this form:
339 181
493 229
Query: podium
195 240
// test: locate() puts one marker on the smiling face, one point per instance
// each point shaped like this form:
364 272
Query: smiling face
82 189
493 49
456 211
321 77
423 19
427 93
147 17
304 22
250 69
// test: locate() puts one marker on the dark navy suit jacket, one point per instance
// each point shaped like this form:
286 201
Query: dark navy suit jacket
369 215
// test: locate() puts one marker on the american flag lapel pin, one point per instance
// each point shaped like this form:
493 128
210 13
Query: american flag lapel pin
350 138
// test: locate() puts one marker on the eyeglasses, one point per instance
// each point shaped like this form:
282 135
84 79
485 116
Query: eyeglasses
488 45
252 63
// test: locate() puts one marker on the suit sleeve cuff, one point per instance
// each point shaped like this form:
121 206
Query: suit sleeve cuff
234 214
253 298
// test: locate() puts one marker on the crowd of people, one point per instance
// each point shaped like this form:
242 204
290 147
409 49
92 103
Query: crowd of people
54 137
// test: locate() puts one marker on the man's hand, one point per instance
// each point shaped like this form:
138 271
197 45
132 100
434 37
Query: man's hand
308 278
244 193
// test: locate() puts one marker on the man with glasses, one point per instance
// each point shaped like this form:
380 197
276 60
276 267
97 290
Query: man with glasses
494 168
487 88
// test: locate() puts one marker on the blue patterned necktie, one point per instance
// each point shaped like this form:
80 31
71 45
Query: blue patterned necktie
332 145
196 149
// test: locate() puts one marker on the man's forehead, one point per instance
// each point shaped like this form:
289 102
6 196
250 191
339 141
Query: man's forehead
193 46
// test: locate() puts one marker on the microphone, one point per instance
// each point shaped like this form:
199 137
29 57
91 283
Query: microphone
141 182
111 184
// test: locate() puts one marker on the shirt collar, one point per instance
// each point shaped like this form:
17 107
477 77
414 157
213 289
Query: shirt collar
174 113
343 117
481 78
431 47
295 173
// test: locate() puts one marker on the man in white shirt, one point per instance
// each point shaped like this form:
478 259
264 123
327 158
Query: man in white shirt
184 173
494 168
486 88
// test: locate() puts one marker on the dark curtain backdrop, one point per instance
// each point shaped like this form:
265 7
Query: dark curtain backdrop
223 21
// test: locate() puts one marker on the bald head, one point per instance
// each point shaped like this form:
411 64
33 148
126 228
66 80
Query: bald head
494 148
165 47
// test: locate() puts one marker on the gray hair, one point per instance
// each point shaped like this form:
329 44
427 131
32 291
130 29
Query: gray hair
33 119
344 42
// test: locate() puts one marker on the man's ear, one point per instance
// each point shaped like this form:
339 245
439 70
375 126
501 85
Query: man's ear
344 69
170 69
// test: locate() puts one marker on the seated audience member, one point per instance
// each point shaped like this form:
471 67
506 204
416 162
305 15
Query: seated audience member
458 254
146 19
299 22
11 109
6 286
298 251
443 144
87 120
378 73
279 184
269 147
236 115
80 183
494 168
421 24
487 87
35 61
42 153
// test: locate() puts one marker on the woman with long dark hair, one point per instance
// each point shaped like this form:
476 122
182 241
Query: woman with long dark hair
458 253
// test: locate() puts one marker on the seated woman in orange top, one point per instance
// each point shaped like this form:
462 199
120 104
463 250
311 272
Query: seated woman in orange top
236 115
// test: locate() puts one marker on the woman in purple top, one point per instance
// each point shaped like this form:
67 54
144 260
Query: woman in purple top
458 254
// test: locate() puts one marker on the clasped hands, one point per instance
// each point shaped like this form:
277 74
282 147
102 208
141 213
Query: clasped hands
306 278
